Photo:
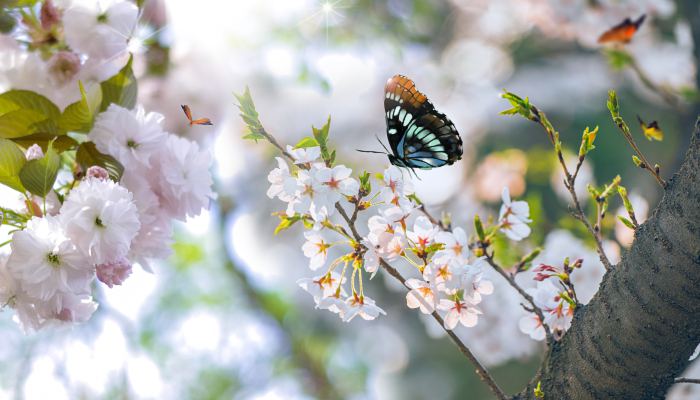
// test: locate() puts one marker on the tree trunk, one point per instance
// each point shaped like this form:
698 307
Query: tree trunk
637 333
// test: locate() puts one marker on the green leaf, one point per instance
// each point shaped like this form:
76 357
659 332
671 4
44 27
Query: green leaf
618 59
19 123
11 162
16 100
29 100
60 143
38 176
626 222
79 116
254 128
306 142
121 89
321 136
286 222
88 155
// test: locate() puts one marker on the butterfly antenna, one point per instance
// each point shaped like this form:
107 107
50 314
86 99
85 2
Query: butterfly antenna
380 142
370 151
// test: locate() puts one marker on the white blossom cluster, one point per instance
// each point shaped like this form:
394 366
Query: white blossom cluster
102 227
97 37
450 280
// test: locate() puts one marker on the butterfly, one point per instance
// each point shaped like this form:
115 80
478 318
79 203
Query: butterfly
200 121
652 131
622 32
419 135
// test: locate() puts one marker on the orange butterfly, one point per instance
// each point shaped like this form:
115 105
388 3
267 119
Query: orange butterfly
200 121
623 32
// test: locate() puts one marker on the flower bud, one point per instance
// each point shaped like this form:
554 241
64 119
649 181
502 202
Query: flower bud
114 273
49 15
63 67
34 152
97 172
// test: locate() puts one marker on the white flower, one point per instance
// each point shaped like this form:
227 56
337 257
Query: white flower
371 259
73 308
184 187
12 295
337 180
46 262
154 241
456 244
459 311
334 304
514 217
558 313
311 197
132 137
322 286
423 232
282 184
98 29
316 248
305 156
421 295
396 189
532 325
362 306
473 281
101 219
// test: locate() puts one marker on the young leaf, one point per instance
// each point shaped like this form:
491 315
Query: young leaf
88 155
26 99
626 222
306 142
121 89
31 103
38 176
79 116
321 136
250 116
60 143
11 162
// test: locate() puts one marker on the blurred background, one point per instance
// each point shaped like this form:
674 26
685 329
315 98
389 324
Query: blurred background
224 317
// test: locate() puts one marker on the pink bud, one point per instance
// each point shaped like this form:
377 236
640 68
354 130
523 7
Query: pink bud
63 67
545 267
540 277
49 15
114 273
34 152
97 172
65 315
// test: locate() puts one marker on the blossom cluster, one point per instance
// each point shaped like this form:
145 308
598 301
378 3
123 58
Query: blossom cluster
446 278
76 40
100 227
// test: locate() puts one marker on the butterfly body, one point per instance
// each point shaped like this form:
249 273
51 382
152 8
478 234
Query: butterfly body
419 135
622 32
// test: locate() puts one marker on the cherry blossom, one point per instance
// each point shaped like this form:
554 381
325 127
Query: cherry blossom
459 312
316 248
514 217
362 306
422 295
101 219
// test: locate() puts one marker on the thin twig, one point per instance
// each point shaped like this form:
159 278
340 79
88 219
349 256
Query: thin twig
687 380
511 280
481 371
645 163
668 97
569 182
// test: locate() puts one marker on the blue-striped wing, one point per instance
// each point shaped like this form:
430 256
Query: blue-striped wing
419 136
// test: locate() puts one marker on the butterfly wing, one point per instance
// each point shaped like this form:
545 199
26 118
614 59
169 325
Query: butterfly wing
187 111
419 136
202 121
622 32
